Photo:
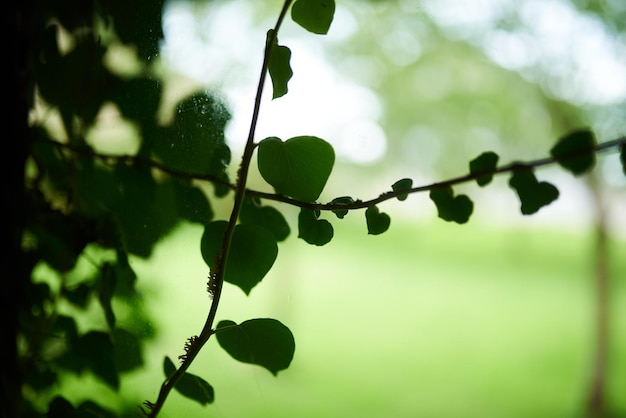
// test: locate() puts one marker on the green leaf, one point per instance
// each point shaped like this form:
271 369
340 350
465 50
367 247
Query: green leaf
127 350
266 216
484 163
60 407
575 151
278 66
402 185
126 97
96 350
264 342
106 287
377 222
314 15
452 208
533 195
252 253
77 295
344 200
90 409
298 167
190 385
313 230
192 203
196 143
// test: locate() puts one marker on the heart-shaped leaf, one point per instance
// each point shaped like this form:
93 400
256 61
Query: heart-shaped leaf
575 152
298 167
533 195
190 385
264 342
452 208
266 216
314 15
313 230
252 253
484 163
278 66
402 185
377 222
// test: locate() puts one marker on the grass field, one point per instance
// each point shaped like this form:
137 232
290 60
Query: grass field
427 320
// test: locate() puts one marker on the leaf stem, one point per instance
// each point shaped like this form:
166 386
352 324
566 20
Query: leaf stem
220 265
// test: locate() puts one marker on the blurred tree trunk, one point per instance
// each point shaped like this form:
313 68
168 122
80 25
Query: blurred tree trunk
14 272
596 396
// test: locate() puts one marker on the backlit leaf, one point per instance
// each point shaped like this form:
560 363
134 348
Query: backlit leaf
279 67
533 195
266 216
195 143
96 351
344 200
252 253
314 15
452 208
264 342
377 222
484 163
298 167
127 350
575 152
190 385
401 185
313 230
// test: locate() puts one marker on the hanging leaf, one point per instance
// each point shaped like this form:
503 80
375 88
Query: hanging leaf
533 195
314 15
266 216
264 342
575 152
190 385
484 163
452 208
401 185
252 253
298 167
377 222
313 230
344 200
278 66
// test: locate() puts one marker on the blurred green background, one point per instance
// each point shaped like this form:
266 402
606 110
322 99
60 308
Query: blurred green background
495 318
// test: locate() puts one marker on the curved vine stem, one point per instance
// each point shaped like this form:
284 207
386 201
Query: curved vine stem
217 275
357 204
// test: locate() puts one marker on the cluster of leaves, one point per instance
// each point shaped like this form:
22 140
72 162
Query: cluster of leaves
106 209
84 208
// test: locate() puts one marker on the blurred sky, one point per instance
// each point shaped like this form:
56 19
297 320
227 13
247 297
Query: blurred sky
220 45
571 56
